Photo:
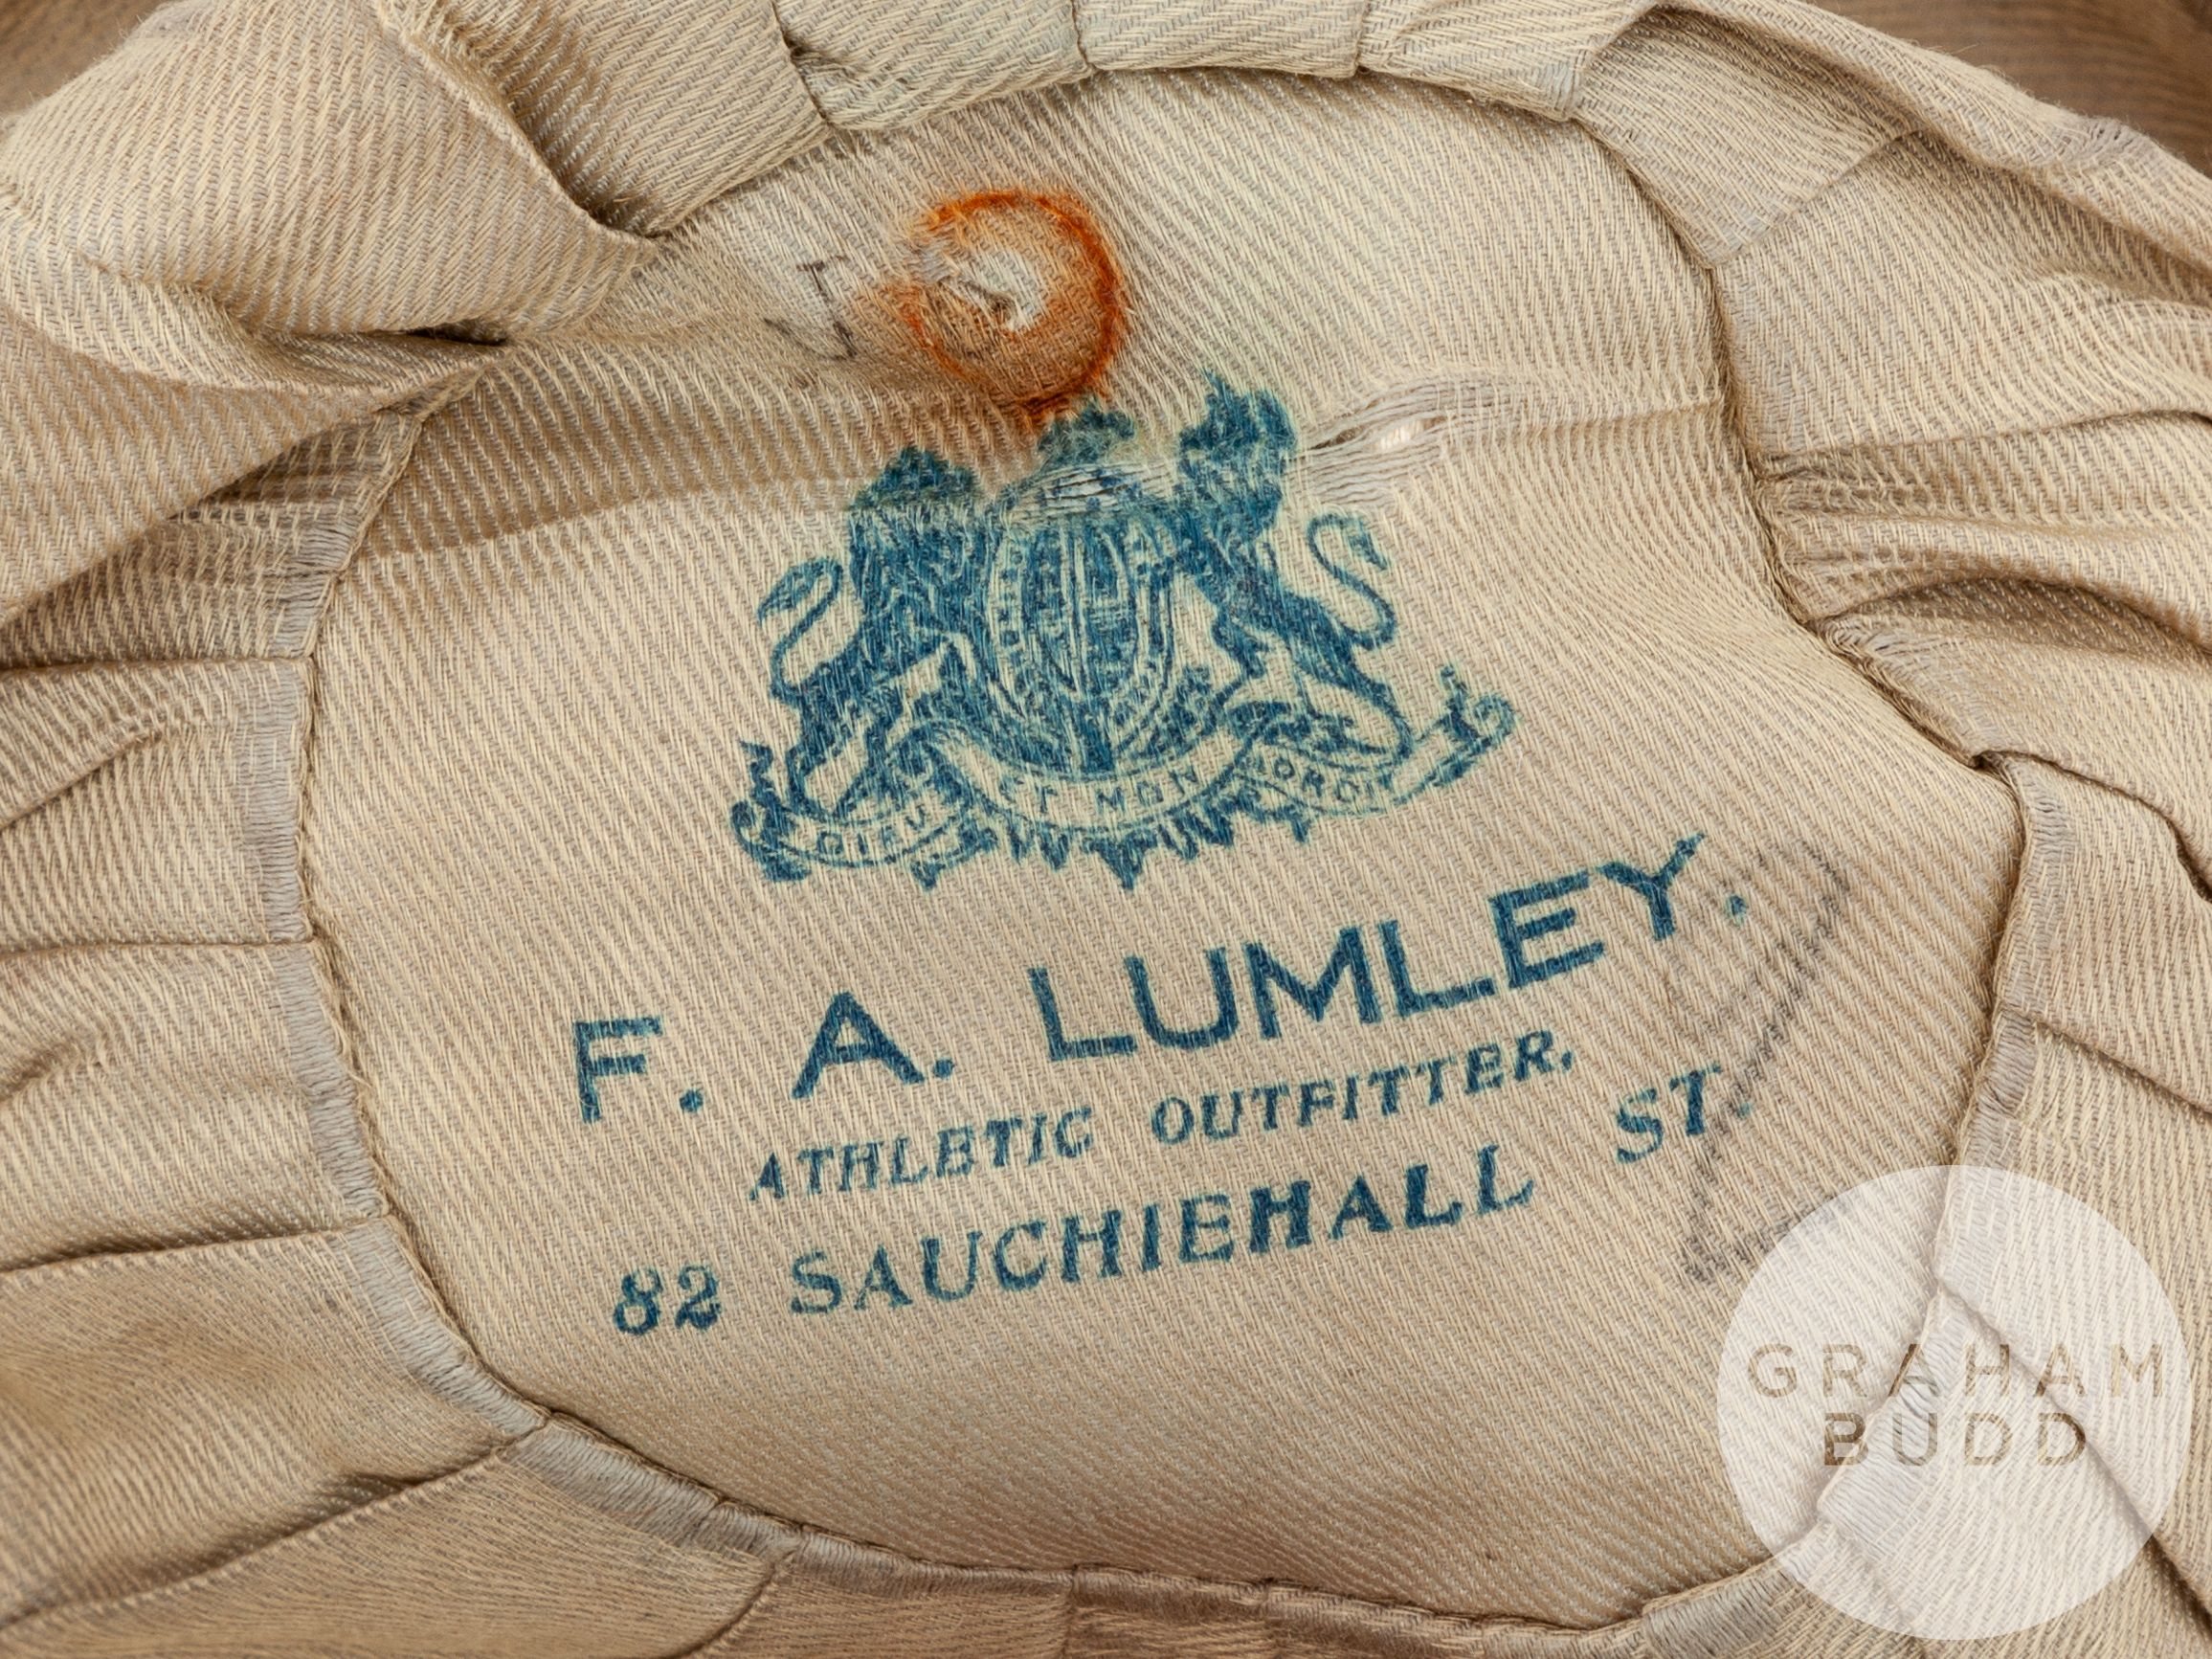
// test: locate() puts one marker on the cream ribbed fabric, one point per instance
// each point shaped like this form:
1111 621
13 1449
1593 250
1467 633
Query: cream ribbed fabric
862 829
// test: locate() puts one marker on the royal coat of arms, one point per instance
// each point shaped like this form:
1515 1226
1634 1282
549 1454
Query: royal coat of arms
1084 663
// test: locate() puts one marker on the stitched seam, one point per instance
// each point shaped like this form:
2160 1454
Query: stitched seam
425 1297
2048 850
100 1261
798 1530
1075 33
149 735
1755 472
85 1611
791 52
752 1603
1067 1618
1732 402
422 46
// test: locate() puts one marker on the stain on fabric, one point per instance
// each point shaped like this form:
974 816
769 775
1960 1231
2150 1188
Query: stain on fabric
1017 294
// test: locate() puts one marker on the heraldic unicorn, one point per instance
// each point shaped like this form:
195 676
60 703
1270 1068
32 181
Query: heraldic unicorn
1081 664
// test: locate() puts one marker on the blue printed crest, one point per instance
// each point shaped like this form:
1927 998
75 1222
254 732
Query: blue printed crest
1081 664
